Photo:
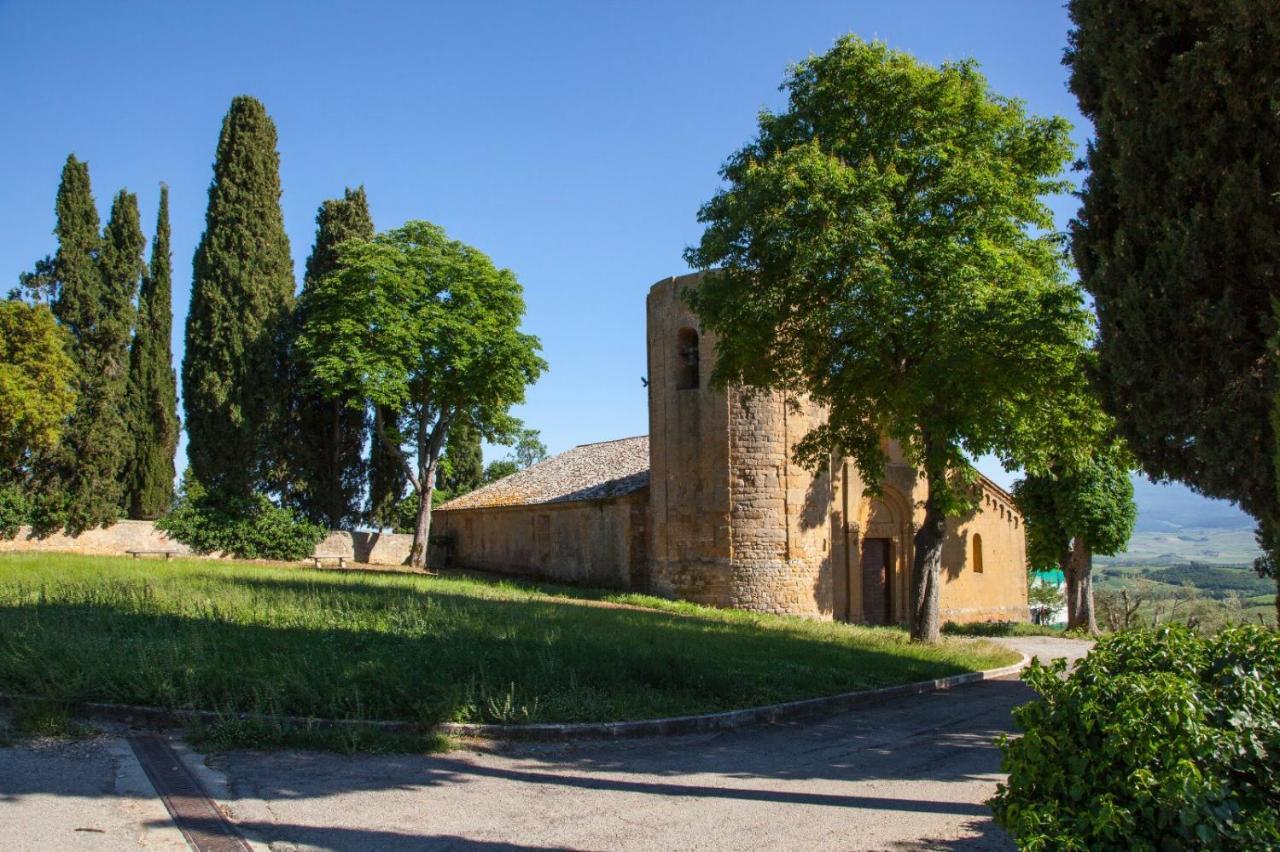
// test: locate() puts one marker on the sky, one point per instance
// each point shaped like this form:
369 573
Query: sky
572 142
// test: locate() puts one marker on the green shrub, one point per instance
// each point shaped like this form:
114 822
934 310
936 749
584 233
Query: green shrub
1160 739
15 509
246 527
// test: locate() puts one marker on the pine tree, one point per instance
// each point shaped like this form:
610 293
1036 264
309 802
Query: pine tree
242 293
326 444
463 468
97 278
152 391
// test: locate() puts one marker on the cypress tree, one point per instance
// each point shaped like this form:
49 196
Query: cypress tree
463 470
97 281
387 480
242 294
152 391
327 444
1178 238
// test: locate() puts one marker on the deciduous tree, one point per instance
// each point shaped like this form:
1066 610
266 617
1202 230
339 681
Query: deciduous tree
1178 239
1072 514
152 388
426 326
241 295
37 384
882 248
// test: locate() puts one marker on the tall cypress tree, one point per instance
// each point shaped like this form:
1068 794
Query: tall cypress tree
387 480
152 391
464 460
97 280
1178 238
328 436
242 294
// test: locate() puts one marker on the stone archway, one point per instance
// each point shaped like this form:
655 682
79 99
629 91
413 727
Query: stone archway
877 580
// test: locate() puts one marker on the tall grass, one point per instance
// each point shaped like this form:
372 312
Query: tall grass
193 634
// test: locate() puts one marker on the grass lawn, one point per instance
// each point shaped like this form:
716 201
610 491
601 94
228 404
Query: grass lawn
292 641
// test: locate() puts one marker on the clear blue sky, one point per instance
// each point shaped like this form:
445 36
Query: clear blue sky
572 142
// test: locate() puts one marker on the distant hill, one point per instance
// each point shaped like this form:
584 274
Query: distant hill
1162 508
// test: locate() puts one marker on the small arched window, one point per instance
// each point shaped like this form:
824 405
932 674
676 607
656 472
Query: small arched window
688 373
977 553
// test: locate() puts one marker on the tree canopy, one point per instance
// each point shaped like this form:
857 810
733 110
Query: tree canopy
241 295
425 326
882 247
152 387
37 383
1178 238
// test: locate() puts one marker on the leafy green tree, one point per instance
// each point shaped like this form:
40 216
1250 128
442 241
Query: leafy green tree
428 327
326 446
37 384
462 465
98 275
152 388
1072 514
882 249
500 469
1178 238
528 449
241 296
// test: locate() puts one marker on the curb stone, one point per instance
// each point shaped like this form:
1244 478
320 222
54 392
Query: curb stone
566 731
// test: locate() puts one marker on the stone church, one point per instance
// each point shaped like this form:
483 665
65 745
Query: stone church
711 508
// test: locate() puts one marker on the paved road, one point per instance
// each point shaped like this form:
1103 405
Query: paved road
910 773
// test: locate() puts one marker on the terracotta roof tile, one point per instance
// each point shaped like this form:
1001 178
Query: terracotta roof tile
588 472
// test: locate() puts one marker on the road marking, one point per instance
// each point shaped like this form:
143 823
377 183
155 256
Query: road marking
195 814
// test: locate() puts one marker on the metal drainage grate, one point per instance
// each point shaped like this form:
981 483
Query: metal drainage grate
195 814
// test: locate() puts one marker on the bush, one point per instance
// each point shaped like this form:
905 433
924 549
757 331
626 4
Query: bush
15 509
246 527
1160 739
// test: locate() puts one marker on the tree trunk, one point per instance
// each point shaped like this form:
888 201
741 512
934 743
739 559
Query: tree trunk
1082 570
422 529
1069 583
927 564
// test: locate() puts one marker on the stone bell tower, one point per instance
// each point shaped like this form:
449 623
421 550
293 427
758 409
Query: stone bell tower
733 521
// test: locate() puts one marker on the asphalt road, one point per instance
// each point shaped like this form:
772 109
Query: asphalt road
909 773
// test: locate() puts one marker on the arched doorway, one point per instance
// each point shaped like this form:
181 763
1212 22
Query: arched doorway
877 573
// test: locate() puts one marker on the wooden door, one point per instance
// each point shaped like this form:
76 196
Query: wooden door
876 576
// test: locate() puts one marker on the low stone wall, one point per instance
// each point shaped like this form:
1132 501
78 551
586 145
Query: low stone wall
373 548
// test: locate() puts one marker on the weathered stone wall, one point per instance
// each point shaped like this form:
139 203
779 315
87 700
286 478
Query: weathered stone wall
733 521
585 542
999 591
123 536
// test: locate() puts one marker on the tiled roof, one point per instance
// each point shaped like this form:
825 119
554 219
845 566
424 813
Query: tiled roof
587 472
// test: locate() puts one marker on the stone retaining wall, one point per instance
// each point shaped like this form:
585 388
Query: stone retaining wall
373 548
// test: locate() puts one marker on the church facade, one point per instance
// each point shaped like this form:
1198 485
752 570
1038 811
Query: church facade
711 508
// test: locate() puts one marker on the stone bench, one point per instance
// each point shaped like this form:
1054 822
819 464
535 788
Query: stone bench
138 554
342 558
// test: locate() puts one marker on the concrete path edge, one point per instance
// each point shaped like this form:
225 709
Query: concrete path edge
552 731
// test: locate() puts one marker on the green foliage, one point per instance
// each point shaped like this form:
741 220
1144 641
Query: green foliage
241 295
247 527
418 324
1160 739
325 445
37 382
882 248
462 465
15 508
1178 238
1093 501
152 393
98 278
500 469
387 478
1213 580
